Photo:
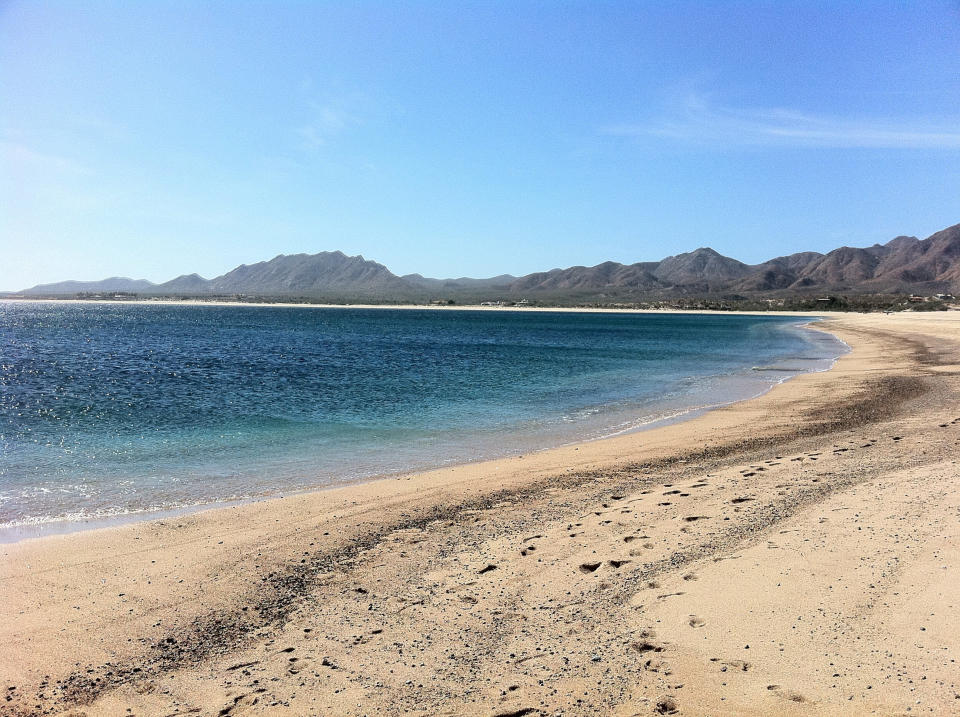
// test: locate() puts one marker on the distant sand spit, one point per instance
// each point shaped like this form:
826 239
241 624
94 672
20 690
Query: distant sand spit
792 554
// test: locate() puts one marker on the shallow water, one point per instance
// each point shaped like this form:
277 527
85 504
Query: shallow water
115 409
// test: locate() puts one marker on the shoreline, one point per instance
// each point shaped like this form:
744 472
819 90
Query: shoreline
15 533
813 315
622 576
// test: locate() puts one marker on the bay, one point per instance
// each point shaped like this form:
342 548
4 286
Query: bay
124 409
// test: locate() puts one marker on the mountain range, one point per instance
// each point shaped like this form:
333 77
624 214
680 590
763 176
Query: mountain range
905 264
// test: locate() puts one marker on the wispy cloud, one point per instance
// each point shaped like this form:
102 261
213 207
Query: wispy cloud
327 115
699 121
326 121
20 158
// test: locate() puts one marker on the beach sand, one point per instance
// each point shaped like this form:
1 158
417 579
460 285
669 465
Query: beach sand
792 554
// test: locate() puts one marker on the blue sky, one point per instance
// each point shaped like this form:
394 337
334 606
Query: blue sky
150 139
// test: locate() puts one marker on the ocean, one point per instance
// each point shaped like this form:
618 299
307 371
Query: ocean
115 411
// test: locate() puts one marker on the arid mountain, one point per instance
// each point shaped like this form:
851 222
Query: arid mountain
308 274
904 264
776 274
461 283
933 262
608 274
113 284
186 284
702 266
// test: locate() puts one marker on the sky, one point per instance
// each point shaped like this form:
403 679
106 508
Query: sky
153 139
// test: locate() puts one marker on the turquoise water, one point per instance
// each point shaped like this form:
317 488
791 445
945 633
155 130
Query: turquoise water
113 410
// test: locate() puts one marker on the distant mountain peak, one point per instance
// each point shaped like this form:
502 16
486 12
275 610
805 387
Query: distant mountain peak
111 284
700 265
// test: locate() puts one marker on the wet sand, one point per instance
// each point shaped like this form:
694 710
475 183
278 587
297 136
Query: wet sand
793 554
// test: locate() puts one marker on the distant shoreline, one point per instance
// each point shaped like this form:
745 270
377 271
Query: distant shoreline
423 307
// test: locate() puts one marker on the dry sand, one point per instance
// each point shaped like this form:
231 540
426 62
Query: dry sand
793 554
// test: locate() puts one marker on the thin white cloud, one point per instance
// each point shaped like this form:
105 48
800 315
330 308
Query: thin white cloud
19 158
311 138
326 121
327 115
700 122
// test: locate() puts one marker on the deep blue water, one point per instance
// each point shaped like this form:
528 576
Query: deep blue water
109 409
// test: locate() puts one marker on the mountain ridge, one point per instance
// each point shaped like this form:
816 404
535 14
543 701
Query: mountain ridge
905 264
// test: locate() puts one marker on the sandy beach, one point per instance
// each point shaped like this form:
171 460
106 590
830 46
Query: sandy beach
792 554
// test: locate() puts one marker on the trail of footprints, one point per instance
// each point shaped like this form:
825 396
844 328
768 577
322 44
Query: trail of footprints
675 493
652 501
717 496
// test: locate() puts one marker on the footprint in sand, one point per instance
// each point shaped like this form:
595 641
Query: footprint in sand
655 665
788 694
695 621
740 665
245 700
666 706
646 646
